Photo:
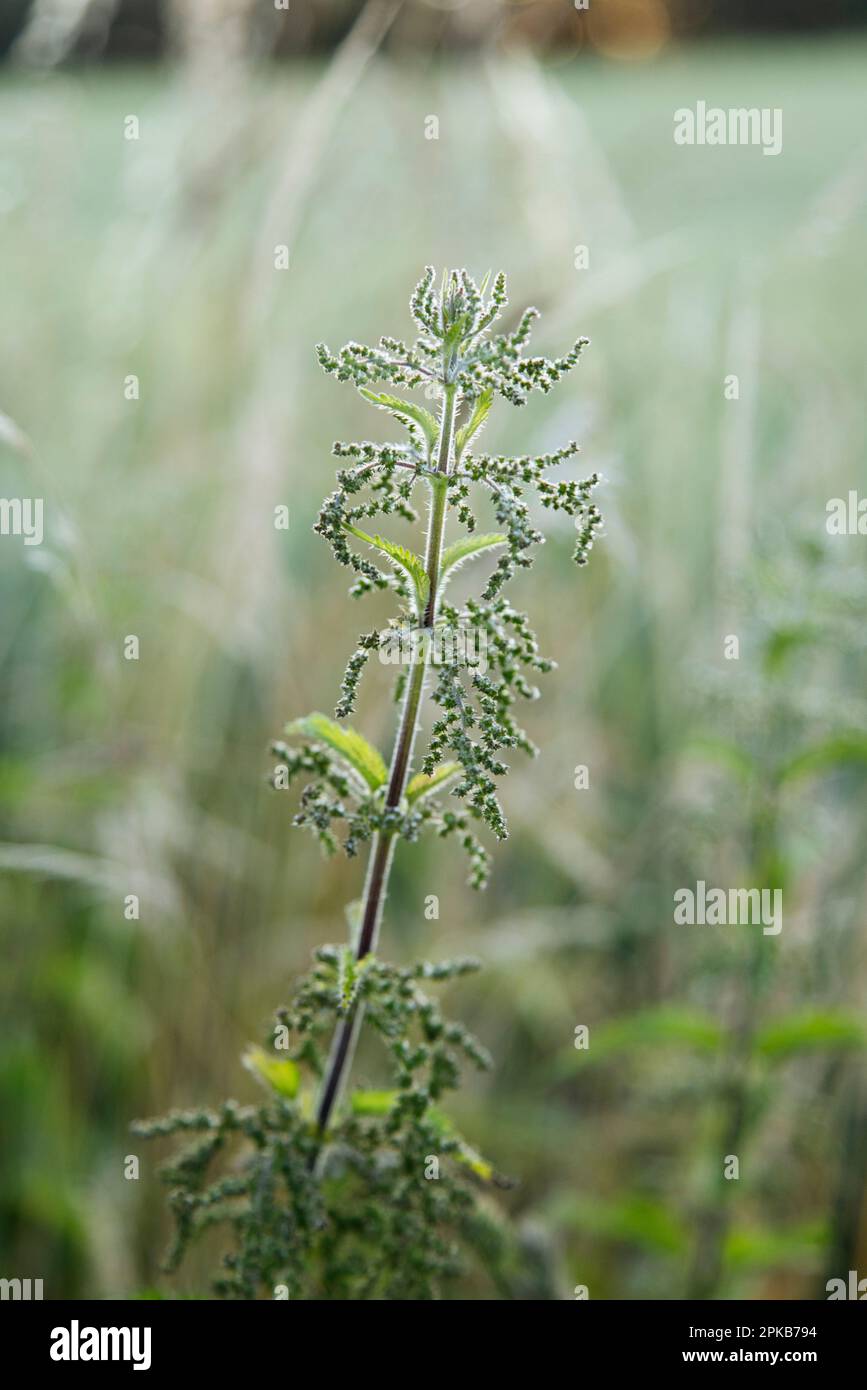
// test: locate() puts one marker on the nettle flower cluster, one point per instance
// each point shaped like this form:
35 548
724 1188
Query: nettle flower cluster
373 1215
335 1200
457 359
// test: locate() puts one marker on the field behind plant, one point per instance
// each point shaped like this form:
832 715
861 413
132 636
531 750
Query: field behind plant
155 258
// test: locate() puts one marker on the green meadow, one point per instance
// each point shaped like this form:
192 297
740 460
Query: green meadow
162 396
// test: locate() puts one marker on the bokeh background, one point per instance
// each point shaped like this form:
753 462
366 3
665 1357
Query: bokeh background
155 258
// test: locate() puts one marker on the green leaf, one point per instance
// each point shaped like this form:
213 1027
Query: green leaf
373 1102
842 751
347 743
406 560
465 548
347 979
808 1031
403 411
474 1161
658 1027
380 1103
726 754
421 785
465 1153
760 1248
783 642
457 331
640 1220
280 1073
350 973
475 422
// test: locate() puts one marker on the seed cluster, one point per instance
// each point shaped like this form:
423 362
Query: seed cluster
454 352
375 1222
355 1204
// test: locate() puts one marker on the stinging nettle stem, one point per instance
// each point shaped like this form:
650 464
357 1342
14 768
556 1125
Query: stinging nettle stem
382 850
288 1225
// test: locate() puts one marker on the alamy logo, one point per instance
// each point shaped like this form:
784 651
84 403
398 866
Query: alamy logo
75 1343
855 1288
25 1289
846 517
444 645
22 516
718 907
739 125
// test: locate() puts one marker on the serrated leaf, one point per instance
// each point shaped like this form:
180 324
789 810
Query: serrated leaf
347 979
403 411
372 1102
347 743
280 1073
350 973
406 560
379 1103
456 329
474 1161
465 1153
480 414
465 548
476 1164
421 785
810 1031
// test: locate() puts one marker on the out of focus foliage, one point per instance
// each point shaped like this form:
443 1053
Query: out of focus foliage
133 787
49 31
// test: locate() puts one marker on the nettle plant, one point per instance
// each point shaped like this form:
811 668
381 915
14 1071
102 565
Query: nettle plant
375 1197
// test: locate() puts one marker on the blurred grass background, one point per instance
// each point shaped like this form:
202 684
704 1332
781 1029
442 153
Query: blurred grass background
155 258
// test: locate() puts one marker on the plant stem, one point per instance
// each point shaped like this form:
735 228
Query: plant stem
382 849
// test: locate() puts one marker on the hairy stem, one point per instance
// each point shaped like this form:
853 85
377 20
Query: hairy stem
382 849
